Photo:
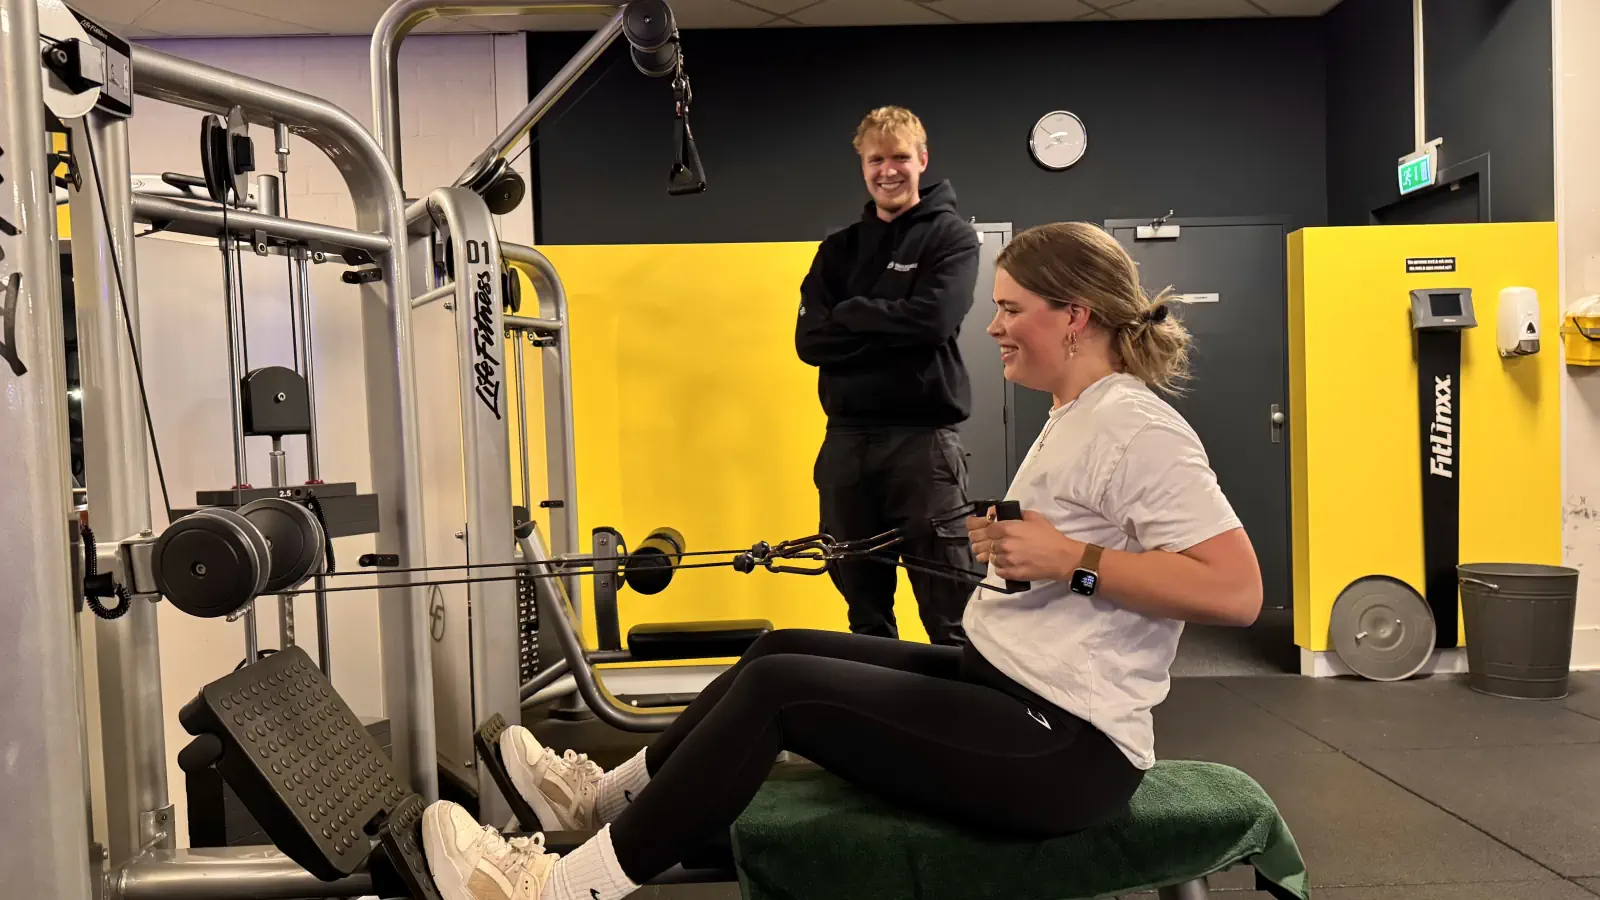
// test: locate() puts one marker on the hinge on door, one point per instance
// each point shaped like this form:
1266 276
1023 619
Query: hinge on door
1277 419
1158 229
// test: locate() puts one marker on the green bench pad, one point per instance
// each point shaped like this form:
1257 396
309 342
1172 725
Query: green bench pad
810 836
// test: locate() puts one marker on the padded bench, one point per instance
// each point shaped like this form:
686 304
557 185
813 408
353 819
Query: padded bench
694 640
810 836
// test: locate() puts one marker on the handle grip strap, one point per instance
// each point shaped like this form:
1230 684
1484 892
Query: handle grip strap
1011 511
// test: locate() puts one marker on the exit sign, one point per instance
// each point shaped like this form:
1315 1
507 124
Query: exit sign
1416 174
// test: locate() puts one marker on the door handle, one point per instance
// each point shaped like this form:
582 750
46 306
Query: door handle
1277 419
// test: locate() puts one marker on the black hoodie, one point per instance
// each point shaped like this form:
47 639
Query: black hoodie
880 311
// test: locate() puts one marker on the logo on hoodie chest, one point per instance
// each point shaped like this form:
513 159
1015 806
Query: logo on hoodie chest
902 267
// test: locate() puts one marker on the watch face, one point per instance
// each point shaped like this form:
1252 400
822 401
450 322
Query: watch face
1083 582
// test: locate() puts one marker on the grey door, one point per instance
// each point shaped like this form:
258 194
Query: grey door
1234 268
983 435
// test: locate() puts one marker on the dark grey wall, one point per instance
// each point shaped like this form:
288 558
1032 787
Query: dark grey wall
1210 118
1300 118
1369 104
1489 91
1488 70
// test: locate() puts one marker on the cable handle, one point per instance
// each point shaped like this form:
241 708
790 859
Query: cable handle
1010 511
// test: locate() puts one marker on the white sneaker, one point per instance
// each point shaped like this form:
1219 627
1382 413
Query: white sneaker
561 789
473 862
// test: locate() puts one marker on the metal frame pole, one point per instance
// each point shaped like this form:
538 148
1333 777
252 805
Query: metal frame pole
300 296
398 21
561 452
226 873
44 842
233 288
555 604
203 218
486 447
116 468
391 380
544 100
149 185
520 342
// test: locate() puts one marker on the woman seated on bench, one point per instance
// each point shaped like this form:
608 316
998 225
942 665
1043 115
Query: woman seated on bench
1043 725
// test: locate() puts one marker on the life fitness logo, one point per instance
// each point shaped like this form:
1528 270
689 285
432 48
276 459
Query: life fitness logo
1441 435
484 333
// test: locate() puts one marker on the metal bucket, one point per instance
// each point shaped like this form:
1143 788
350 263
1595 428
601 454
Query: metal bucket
1518 621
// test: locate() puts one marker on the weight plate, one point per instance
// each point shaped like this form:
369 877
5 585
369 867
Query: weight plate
1382 628
294 540
258 544
205 565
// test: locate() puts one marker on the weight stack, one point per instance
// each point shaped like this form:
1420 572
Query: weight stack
528 661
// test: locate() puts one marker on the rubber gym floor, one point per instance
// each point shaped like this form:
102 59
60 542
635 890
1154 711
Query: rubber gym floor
1417 790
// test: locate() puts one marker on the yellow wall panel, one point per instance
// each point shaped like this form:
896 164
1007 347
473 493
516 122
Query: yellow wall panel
693 411
58 143
1299 529
1356 451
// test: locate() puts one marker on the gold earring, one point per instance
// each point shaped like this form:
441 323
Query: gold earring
1072 344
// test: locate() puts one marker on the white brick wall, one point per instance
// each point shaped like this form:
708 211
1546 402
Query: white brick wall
457 91
1577 99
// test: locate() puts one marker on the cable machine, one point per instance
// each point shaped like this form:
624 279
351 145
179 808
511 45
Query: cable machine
342 812
234 538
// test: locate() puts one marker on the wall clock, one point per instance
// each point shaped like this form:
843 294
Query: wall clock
1058 140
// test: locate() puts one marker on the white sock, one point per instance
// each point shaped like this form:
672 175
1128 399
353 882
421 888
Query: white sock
590 872
620 786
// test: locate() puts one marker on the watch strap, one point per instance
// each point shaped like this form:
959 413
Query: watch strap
1091 557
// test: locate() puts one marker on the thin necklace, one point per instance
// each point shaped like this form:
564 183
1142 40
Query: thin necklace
1058 415
1046 432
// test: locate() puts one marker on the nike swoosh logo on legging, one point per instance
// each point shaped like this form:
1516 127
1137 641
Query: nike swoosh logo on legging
1040 719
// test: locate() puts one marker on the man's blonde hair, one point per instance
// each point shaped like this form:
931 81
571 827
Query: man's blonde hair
898 121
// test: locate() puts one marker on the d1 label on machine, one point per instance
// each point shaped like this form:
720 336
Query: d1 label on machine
484 332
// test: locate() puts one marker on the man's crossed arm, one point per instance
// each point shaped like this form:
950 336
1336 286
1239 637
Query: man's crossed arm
832 332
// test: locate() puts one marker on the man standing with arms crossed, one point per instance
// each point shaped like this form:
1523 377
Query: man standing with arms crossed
880 312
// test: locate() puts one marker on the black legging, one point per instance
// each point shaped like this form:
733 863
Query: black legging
929 727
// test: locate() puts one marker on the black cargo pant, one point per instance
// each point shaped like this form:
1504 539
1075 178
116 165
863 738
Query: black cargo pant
870 480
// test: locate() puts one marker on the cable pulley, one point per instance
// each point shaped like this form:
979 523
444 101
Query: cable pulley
214 561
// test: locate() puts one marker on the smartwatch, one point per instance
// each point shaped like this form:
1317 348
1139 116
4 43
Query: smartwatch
1087 576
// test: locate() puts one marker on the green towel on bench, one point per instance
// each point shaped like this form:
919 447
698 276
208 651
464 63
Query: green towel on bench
810 836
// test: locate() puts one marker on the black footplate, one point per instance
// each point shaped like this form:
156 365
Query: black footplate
401 870
487 740
298 759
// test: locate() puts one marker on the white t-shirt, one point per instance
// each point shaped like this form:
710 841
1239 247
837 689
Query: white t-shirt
1120 468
